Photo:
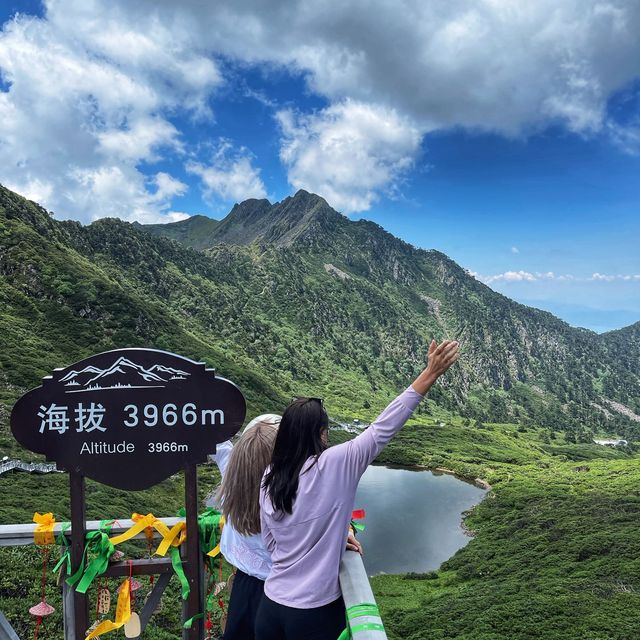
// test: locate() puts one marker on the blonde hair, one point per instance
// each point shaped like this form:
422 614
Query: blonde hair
239 492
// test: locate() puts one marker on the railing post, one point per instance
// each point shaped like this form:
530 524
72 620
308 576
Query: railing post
193 570
356 590
80 609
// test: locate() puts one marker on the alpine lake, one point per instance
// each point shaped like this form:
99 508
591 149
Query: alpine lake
413 518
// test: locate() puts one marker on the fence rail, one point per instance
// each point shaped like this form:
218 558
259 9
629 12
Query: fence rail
354 582
30 467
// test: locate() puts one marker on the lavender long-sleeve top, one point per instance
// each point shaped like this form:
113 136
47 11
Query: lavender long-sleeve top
306 546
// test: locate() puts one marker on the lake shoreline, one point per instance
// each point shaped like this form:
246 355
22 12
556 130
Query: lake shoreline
477 482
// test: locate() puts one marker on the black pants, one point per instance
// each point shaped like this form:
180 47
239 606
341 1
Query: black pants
277 622
246 595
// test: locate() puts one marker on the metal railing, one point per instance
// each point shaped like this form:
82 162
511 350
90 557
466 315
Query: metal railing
30 467
354 582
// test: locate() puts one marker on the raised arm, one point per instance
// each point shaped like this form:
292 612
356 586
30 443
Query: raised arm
221 456
360 452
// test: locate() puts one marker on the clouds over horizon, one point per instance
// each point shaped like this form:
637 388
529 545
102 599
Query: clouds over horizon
537 276
94 92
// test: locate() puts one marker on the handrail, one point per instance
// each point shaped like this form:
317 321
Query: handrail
354 582
30 467
22 534
356 590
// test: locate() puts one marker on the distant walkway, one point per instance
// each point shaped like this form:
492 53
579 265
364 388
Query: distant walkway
30 467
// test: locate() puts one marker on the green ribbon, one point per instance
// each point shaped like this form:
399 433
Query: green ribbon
66 553
358 526
359 611
191 620
208 529
98 542
176 562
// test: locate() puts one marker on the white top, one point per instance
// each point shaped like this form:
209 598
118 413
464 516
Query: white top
248 553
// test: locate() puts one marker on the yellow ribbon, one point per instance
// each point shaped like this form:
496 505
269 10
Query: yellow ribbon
216 550
44 531
123 613
141 522
170 537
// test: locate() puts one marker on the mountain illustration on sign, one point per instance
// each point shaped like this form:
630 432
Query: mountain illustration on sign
122 373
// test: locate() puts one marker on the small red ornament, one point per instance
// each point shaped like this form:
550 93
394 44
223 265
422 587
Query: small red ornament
41 609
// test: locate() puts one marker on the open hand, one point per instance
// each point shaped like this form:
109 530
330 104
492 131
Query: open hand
442 356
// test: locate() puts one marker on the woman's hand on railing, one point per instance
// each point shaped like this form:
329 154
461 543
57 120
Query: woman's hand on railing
352 543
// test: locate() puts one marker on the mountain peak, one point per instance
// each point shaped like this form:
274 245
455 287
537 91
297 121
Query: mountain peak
298 216
195 231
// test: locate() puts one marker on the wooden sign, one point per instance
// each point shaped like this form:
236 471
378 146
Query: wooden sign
129 418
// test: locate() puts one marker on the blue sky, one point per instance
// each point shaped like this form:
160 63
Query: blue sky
506 137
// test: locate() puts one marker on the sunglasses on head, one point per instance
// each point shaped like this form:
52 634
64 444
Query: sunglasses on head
306 399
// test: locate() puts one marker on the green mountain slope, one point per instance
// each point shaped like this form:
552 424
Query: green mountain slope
195 232
293 298
518 360
299 299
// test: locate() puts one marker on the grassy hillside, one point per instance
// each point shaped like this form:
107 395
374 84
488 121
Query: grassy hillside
556 553
312 303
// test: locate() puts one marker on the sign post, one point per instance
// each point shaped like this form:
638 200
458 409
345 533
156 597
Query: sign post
131 418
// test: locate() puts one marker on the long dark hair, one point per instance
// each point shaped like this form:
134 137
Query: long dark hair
299 438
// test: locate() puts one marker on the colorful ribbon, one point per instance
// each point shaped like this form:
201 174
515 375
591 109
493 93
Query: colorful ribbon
98 542
210 524
357 514
140 523
44 531
123 612
65 558
359 611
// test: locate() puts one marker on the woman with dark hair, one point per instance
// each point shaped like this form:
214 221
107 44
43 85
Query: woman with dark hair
306 500
242 467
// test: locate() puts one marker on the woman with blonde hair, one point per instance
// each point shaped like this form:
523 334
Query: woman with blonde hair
242 467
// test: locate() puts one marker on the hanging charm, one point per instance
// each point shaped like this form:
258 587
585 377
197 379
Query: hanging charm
43 608
40 610
116 556
104 600
132 627
218 587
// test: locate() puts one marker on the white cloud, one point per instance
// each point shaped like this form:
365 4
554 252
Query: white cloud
230 176
140 140
526 276
515 250
503 65
348 152
123 192
94 84
619 276
83 110
626 137
176 216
